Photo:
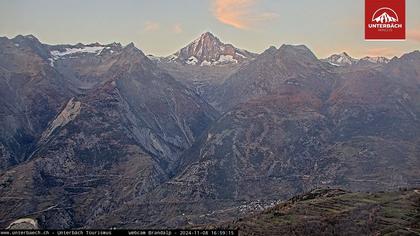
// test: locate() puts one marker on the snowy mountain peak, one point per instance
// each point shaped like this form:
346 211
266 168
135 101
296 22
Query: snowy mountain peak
208 50
375 60
209 36
293 50
342 59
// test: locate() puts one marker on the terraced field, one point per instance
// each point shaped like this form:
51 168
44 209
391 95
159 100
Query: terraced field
337 212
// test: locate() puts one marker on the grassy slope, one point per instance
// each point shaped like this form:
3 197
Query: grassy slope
336 212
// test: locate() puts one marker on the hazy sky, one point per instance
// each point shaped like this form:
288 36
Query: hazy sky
161 27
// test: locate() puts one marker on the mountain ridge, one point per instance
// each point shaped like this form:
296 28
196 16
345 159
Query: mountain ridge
344 59
208 50
116 139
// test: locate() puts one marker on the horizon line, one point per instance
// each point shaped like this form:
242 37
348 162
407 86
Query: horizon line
191 41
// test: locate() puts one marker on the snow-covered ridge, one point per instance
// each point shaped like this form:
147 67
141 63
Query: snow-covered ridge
344 59
208 50
87 49
154 58
341 59
192 60
223 59
59 52
382 60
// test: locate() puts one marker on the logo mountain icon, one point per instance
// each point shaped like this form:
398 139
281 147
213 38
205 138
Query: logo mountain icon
385 18
385 15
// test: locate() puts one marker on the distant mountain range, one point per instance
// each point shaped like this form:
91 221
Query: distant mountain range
208 50
343 59
101 136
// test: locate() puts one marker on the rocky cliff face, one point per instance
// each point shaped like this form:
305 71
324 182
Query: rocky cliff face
100 135
32 93
116 140
356 130
204 64
208 50
272 72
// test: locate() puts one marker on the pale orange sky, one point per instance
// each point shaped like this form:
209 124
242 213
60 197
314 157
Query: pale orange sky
161 27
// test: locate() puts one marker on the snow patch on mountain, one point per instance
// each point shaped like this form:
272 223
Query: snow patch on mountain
192 60
172 57
206 63
226 59
343 59
208 50
88 49
153 58
380 60
223 59
51 62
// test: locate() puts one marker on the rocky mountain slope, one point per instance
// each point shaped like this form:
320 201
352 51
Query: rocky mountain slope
344 59
204 64
356 130
341 59
330 127
101 136
31 92
118 139
208 50
273 72
203 80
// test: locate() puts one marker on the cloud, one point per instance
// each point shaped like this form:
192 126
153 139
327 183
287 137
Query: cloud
177 28
414 35
240 14
151 26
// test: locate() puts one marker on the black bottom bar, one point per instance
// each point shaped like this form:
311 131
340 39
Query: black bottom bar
173 232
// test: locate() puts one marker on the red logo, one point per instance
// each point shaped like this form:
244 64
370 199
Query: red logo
384 19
